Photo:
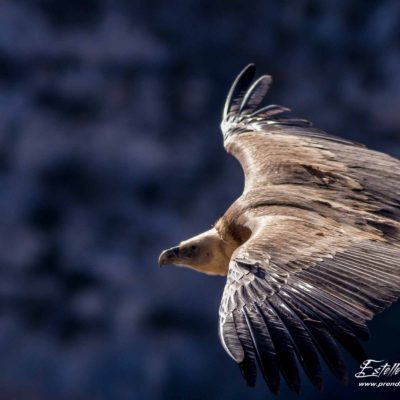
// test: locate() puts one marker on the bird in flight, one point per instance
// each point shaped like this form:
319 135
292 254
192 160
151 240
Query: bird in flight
311 249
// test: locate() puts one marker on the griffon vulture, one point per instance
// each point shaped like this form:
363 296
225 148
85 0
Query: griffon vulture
311 249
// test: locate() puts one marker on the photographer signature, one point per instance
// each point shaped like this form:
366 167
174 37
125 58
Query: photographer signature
377 368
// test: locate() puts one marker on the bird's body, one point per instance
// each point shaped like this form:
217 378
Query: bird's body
311 249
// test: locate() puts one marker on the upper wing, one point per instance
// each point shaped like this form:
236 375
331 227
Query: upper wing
298 285
278 150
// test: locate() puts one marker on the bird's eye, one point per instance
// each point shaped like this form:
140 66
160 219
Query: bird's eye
193 248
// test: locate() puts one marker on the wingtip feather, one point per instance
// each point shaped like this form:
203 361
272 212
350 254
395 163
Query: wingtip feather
240 84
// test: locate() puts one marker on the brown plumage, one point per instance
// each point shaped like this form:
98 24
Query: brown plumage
311 249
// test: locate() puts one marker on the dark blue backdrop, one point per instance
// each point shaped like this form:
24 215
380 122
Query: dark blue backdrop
110 150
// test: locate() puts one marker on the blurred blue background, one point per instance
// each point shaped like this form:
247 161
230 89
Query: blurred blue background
110 151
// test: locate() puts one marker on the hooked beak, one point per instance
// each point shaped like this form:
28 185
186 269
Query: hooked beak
168 256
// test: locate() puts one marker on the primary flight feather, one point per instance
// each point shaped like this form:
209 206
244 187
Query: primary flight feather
311 249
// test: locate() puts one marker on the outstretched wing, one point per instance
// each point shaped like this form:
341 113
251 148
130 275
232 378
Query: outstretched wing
298 285
324 253
276 149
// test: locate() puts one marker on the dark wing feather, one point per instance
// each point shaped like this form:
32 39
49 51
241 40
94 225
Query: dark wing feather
283 345
269 111
301 339
238 90
248 364
264 347
255 94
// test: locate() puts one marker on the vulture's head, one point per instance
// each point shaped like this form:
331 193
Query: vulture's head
206 253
